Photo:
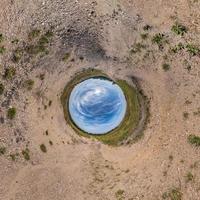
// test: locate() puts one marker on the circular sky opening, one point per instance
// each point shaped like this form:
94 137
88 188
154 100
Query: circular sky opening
97 105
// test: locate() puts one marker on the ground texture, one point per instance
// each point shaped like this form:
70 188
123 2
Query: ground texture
44 43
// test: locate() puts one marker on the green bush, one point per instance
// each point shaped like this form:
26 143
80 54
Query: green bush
2 49
11 113
193 49
29 84
9 73
195 140
25 153
179 29
166 67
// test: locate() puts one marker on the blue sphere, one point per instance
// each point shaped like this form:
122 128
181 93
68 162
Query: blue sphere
97 105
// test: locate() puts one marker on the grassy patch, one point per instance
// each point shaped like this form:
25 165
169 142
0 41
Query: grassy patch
193 49
34 34
189 177
179 29
1 88
166 67
25 154
66 57
131 119
43 148
119 194
9 73
11 113
177 48
28 84
173 194
17 55
194 140
137 47
2 150
159 39
2 49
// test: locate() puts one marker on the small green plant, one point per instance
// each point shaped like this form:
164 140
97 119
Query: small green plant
144 36
34 34
119 194
43 148
179 29
193 49
166 67
173 194
2 49
26 155
9 73
159 39
137 47
29 84
147 27
194 140
189 177
49 34
1 88
17 55
66 57
185 115
11 113
2 150
177 48
14 156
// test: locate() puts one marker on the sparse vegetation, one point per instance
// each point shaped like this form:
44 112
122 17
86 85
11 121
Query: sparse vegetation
185 115
194 140
26 155
66 56
179 29
173 194
9 73
1 88
159 39
34 34
144 36
193 49
189 177
2 150
43 148
17 55
50 142
119 194
137 47
2 49
11 113
177 48
166 67
28 84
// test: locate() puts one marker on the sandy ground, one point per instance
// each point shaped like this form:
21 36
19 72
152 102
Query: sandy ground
99 34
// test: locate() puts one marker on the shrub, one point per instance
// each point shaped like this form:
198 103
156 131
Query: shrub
119 194
173 194
43 148
66 57
2 150
29 84
158 39
9 73
193 49
179 29
166 67
195 140
2 49
25 153
144 36
189 177
11 113
1 88
34 34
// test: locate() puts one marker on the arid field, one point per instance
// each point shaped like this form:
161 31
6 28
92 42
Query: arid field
44 44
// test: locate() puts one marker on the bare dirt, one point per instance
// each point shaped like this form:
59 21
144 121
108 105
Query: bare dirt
106 35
